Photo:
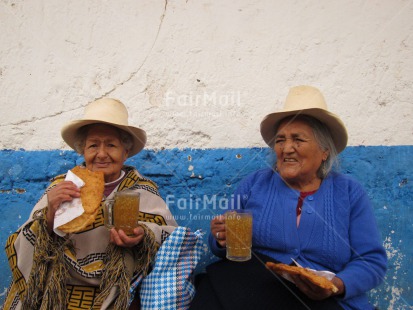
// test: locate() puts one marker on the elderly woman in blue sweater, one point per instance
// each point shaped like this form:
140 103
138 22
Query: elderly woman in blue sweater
303 210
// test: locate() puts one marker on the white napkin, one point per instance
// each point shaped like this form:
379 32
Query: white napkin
68 210
324 273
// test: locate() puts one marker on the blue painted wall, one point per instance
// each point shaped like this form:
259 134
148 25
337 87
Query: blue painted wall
196 184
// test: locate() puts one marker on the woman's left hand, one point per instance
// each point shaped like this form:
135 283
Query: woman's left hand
121 239
315 292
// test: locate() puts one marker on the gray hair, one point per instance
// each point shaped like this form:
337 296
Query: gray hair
324 140
80 141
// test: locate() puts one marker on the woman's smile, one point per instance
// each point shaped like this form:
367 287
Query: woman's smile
104 151
101 165
298 154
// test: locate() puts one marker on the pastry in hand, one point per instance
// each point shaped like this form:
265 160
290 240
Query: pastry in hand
91 196
283 269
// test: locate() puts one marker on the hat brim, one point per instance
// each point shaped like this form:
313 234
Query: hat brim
335 125
138 135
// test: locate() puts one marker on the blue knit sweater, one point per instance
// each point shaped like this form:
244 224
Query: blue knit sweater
337 231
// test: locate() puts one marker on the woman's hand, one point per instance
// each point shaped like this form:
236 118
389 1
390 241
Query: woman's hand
121 239
218 230
62 192
315 292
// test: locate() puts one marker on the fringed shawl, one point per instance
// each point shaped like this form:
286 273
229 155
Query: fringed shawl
44 265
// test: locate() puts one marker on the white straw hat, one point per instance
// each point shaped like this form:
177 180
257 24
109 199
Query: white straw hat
306 100
105 111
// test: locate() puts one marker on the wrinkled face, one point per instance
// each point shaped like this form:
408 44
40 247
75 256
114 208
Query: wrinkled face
104 151
298 154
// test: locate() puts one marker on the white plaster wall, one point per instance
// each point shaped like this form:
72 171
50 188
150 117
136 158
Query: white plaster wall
203 74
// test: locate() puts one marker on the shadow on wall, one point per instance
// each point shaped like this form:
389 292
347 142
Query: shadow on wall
197 185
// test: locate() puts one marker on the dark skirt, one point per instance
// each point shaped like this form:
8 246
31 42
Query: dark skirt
247 285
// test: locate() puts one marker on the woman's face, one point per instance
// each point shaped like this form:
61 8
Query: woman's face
104 151
298 154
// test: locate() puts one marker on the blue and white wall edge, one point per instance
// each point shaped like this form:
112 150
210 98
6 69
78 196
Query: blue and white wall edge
199 76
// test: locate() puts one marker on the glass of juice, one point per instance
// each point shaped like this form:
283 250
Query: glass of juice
238 228
122 212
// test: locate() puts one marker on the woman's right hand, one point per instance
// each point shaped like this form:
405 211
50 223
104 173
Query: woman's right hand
64 191
218 230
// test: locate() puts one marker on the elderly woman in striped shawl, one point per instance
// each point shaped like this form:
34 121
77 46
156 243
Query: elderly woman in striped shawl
92 268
